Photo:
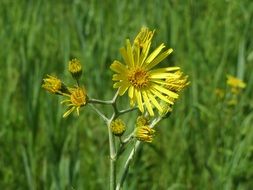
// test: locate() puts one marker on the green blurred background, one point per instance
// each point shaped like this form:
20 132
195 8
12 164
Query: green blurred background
205 144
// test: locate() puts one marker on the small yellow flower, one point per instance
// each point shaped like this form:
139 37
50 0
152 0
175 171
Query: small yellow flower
144 133
75 68
76 99
137 76
54 85
234 82
118 127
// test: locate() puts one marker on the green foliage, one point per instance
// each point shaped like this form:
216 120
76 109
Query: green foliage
204 144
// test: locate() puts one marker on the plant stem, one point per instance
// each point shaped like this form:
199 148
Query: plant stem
96 101
112 158
126 166
112 144
99 113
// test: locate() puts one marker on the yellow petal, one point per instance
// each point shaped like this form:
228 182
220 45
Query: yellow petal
163 70
153 55
139 100
131 92
147 103
124 54
118 67
154 101
158 59
162 97
123 88
66 114
130 53
116 77
144 54
160 75
165 91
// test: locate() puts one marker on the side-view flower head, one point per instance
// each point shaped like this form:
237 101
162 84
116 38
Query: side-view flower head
54 85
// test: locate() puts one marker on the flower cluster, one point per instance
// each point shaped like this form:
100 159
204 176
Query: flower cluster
76 96
147 86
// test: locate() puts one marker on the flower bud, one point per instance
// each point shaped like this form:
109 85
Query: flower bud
75 68
118 127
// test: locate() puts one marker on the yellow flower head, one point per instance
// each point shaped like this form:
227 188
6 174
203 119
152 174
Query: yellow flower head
235 82
118 127
176 81
144 133
75 68
54 85
144 83
77 98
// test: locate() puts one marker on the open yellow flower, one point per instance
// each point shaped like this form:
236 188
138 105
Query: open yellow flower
144 83
76 99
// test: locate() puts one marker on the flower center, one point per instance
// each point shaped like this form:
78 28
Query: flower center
138 77
78 97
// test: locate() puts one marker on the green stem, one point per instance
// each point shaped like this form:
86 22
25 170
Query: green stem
112 158
121 112
96 101
99 113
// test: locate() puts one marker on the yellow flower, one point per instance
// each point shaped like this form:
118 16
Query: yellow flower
144 133
235 84
76 99
144 83
75 68
118 127
54 85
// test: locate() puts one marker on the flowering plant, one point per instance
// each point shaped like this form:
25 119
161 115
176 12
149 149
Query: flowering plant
151 90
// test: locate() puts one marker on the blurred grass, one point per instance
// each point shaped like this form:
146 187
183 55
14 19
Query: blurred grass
203 145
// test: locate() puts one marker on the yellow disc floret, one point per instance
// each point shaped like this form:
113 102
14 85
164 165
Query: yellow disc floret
138 77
